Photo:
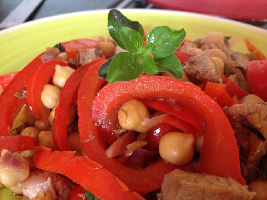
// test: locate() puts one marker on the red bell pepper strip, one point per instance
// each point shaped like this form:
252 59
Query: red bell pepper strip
140 180
233 89
35 86
77 193
220 153
66 98
182 56
17 143
6 79
72 46
11 105
182 125
89 174
218 93
253 49
175 109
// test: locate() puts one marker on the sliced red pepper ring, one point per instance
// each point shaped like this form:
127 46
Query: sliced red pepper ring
175 109
10 104
220 153
17 143
182 125
35 86
6 79
89 174
233 89
66 98
136 179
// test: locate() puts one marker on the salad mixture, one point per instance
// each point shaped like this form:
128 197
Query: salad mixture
136 116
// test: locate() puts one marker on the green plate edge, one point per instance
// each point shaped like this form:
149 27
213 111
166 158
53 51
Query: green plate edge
20 44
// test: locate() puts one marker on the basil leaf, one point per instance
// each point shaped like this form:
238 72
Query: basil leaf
137 57
116 21
145 50
149 65
103 71
170 64
165 40
131 40
89 195
123 68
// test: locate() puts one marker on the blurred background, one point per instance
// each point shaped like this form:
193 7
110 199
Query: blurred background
14 12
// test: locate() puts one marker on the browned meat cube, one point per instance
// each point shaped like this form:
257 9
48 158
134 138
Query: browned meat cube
202 68
186 186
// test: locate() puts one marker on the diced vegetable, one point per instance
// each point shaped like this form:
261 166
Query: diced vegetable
256 76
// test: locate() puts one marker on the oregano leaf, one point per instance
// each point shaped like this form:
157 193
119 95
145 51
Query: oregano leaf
123 68
149 65
170 64
165 40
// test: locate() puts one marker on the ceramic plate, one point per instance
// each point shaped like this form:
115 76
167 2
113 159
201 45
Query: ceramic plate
20 44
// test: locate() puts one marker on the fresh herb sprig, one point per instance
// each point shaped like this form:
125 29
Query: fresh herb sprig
153 57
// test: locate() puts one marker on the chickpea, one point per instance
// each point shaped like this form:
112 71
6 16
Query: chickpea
50 96
251 98
46 139
74 141
219 63
98 38
71 115
27 154
260 187
42 126
194 51
110 39
26 116
2 185
17 188
131 115
184 77
177 147
30 131
216 53
199 143
213 37
61 75
108 48
14 168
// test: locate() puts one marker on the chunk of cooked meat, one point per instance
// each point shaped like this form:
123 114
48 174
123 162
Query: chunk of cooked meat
249 122
85 56
202 68
185 185
50 183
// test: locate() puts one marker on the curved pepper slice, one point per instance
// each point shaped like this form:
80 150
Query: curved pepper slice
10 104
220 154
6 79
17 143
140 180
175 109
89 174
182 125
35 86
66 98
233 89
